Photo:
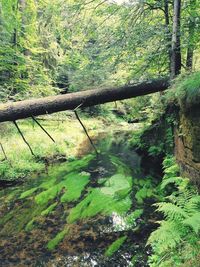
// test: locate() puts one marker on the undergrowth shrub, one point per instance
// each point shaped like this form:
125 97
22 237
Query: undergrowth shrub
176 241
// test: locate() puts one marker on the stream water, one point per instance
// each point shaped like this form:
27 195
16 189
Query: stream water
93 211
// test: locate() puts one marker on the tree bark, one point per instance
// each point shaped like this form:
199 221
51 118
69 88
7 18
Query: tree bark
47 105
176 47
168 35
191 31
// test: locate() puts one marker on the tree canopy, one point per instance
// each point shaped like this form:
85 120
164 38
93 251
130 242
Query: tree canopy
49 47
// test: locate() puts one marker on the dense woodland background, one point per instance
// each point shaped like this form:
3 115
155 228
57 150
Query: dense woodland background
50 47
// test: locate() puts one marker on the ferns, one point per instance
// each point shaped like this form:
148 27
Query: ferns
173 180
176 239
165 237
171 211
193 222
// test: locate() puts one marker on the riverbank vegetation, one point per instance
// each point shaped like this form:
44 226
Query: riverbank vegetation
122 177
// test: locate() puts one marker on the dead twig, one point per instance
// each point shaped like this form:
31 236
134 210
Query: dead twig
34 119
4 153
91 142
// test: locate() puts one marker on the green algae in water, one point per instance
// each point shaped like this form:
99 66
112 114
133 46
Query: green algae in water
91 205
17 219
53 243
121 167
115 246
118 185
56 174
67 167
75 184
46 196
30 225
24 215
28 193
49 209
112 197
45 185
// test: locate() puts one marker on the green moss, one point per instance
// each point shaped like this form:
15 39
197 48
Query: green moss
52 244
115 246
186 90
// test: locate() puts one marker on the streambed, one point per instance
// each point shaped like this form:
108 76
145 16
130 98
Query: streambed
92 211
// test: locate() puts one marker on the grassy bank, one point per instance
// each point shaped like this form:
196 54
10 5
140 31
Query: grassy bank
69 138
70 142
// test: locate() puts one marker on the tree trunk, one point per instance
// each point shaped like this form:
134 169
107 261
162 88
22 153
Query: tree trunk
168 35
46 105
191 31
176 48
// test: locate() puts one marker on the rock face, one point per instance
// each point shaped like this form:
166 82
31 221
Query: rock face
187 143
183 139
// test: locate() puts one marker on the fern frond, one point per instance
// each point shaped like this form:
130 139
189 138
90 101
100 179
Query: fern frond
171 211
172 180
165 237
193 222
172 170
168 162
186 198
193 205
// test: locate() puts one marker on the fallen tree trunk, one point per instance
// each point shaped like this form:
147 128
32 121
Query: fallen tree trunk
41 106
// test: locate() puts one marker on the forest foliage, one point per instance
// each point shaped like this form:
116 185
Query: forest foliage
47 47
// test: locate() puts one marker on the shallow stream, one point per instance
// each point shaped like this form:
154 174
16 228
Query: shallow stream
92 211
